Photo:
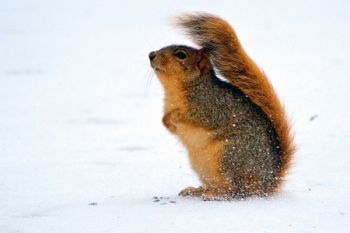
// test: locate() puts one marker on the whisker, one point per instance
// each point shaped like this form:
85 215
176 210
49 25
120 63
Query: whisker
147 86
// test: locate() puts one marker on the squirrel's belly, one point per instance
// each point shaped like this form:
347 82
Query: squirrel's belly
204 153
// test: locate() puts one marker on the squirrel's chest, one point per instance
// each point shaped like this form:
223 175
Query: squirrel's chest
172 102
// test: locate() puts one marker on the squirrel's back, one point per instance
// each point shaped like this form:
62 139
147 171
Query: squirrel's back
231 61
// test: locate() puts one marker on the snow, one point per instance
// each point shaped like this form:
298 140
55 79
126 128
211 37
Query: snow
82 147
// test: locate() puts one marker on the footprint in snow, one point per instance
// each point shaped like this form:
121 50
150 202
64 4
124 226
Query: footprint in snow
163 200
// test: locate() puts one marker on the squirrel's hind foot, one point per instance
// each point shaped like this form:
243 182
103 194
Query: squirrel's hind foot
192 191
207 194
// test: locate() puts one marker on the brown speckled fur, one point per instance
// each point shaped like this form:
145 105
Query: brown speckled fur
251 158
236 133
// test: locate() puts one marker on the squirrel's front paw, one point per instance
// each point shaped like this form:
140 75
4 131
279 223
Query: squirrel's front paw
170 119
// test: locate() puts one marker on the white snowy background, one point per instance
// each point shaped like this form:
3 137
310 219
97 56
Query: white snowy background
82 147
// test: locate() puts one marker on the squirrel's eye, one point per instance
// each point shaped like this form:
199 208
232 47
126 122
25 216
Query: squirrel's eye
180 55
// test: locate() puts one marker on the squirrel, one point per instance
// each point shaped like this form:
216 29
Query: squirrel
235 130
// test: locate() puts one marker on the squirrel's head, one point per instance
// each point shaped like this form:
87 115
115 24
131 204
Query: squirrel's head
178 64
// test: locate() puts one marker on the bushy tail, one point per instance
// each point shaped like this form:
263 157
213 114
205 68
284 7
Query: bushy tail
232 62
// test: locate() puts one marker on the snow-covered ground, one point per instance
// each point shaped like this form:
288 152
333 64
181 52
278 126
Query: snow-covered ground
82 148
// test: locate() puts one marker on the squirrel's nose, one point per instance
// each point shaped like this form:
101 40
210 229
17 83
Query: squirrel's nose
152 55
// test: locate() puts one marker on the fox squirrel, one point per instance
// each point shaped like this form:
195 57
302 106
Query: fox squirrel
236 131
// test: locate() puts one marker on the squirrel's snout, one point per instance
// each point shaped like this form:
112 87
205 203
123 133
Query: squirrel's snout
152 55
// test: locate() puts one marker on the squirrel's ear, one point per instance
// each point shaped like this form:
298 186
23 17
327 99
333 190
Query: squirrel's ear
203 59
